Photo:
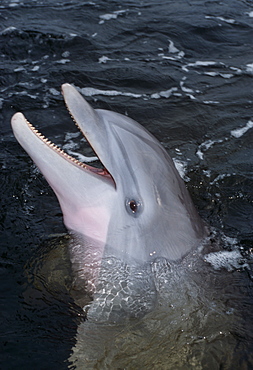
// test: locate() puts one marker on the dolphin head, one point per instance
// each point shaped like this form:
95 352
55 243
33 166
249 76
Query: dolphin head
137 207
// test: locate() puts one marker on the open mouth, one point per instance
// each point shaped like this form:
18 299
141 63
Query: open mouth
82 165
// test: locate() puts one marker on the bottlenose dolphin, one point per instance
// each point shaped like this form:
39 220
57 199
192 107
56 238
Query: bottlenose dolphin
135 209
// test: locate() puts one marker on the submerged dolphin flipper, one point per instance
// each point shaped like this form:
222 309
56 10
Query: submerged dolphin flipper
135 209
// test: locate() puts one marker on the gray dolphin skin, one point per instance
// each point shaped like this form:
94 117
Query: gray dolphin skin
135 209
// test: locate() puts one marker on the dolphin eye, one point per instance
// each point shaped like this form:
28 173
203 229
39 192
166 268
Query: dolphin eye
133 206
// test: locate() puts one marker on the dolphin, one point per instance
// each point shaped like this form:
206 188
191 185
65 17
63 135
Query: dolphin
135 209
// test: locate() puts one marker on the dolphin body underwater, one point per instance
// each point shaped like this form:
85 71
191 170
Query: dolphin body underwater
125 219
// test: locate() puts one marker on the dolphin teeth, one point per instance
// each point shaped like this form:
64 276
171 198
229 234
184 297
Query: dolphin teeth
73 118
54 146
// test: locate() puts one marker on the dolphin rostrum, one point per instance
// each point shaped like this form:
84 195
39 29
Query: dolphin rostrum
135 209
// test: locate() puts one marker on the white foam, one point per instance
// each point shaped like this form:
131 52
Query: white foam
103 59
109 16
8 30
90 91
169 58
227 20
249 68
250 14
65 54
191 96
238 70
220 177
13 4
225 259
211 102
69 146
72 135
54 92
23 93
19 69
226 75
177 54
118 12
178 151
207 173
181 54
164 94
63 61
241 131
198 64
185 89
212 74
82 158
205 146
200 154
172 49
181 166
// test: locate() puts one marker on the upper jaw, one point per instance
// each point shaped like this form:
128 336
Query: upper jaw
28 136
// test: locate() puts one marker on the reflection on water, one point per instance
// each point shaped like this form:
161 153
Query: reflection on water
198 321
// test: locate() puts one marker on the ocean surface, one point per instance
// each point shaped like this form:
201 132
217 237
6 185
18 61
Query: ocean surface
184 70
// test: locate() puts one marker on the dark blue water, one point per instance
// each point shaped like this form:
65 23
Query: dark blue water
183 69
